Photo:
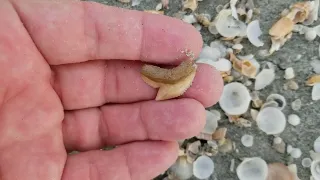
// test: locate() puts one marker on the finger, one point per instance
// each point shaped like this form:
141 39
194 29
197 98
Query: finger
117 124
140 160
69 32
94 83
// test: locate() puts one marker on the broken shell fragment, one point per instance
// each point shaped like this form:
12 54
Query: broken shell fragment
181 169
235 99
264 79
190 4
296 153
315 95
315 169
211 123
282 27
279 99
278 171
229 27
225 145
203 167
171 82
192 151
316 145
124 1
271 120
306 162
219 134
252 169
203 19
289 73
315 79
279 145
294 119
253 33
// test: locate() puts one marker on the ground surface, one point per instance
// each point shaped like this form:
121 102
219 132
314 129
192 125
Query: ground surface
301 136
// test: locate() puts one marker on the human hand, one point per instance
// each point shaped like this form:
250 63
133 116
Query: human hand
65 85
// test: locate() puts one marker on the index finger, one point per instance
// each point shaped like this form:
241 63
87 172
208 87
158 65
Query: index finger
72 31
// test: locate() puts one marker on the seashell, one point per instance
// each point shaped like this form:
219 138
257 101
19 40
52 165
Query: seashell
316 66
253 33
219 134
289 149
252 169
291 85
313 15
189 19
271 120
281 28
204 136
192 151
212 28
234 9
237 47
222 65
315 95
254 113
135 3
284 12
219 8
225 146
264 78
190 4
314 79
270 104
211 123
171 82
203 167
218 45
241 122
159 7
314 156
181 169
197 26
278 171
311 34
232 164
293 119
316 145
249 16
245 67
279 99
315 169
235 99
289 73
250 4
300 11
296 153
306 162
203 19
296 104
229 27
208 52
276 45
279 145
247 140
165 4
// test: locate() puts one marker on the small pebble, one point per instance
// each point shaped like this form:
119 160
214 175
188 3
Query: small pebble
291 85
294 119
296 153
306 162
296 105
289 149
289 73
232 165
247 140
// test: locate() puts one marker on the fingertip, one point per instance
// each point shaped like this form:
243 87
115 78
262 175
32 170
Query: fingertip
207 85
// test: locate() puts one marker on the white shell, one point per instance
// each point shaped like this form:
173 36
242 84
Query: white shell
281 101
234 9
235 98
247 140
189 19
252 169
227 26
222 65
296 153
271 120
159 7
254 32
254 113
208 52
315 65
181 169
277 140
316 145
313 15
296 104
203 167
316 92
311 34
306 162
289 73
264 78
212 28
197 26
315 169
218 45
237 46
136 2
289 149
293 119
211 123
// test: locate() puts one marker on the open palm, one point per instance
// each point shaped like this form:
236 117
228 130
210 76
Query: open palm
69 80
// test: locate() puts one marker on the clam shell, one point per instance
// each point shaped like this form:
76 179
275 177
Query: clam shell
279 99
264 78
253 33
271 120
203 167
282 27
315 169
229 27
252 169
315 95
314 79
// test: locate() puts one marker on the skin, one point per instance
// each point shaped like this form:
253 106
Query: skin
70 80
